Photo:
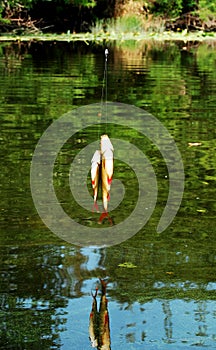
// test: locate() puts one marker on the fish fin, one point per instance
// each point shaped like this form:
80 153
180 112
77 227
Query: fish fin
106 318
95 207
109 180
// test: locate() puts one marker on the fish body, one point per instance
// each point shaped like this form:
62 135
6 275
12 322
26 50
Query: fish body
93 323
104 330
106 169
95 173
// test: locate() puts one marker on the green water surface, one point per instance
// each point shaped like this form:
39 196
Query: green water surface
162 287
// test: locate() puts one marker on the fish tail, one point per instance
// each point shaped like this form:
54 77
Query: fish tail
95 294
103 286
103 216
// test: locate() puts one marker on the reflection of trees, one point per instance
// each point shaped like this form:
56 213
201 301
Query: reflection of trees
166 269
36 282
200 317
35 285
29 323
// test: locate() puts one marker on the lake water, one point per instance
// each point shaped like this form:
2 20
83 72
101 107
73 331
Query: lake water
161 288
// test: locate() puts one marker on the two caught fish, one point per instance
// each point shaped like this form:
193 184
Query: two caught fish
99 330
102 171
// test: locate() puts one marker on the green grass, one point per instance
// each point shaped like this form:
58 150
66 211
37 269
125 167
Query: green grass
129 24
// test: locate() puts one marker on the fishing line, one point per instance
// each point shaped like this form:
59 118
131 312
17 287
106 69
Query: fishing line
106 56
104 87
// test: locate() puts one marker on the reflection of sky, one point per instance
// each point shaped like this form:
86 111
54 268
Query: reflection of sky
160 324
211 286
93 255
185 285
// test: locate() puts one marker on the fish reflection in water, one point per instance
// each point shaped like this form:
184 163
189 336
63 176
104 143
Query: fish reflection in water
99 331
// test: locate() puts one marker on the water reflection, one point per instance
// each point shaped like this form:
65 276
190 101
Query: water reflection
99 328
49 289
161 288
167 321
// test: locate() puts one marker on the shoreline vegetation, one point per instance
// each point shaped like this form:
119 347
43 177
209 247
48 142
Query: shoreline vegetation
114 36
103 20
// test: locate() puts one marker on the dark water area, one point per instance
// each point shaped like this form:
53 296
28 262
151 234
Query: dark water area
161 288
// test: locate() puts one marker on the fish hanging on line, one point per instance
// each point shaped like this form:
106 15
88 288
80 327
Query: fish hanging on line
99 330
107 168
102 171
95 173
